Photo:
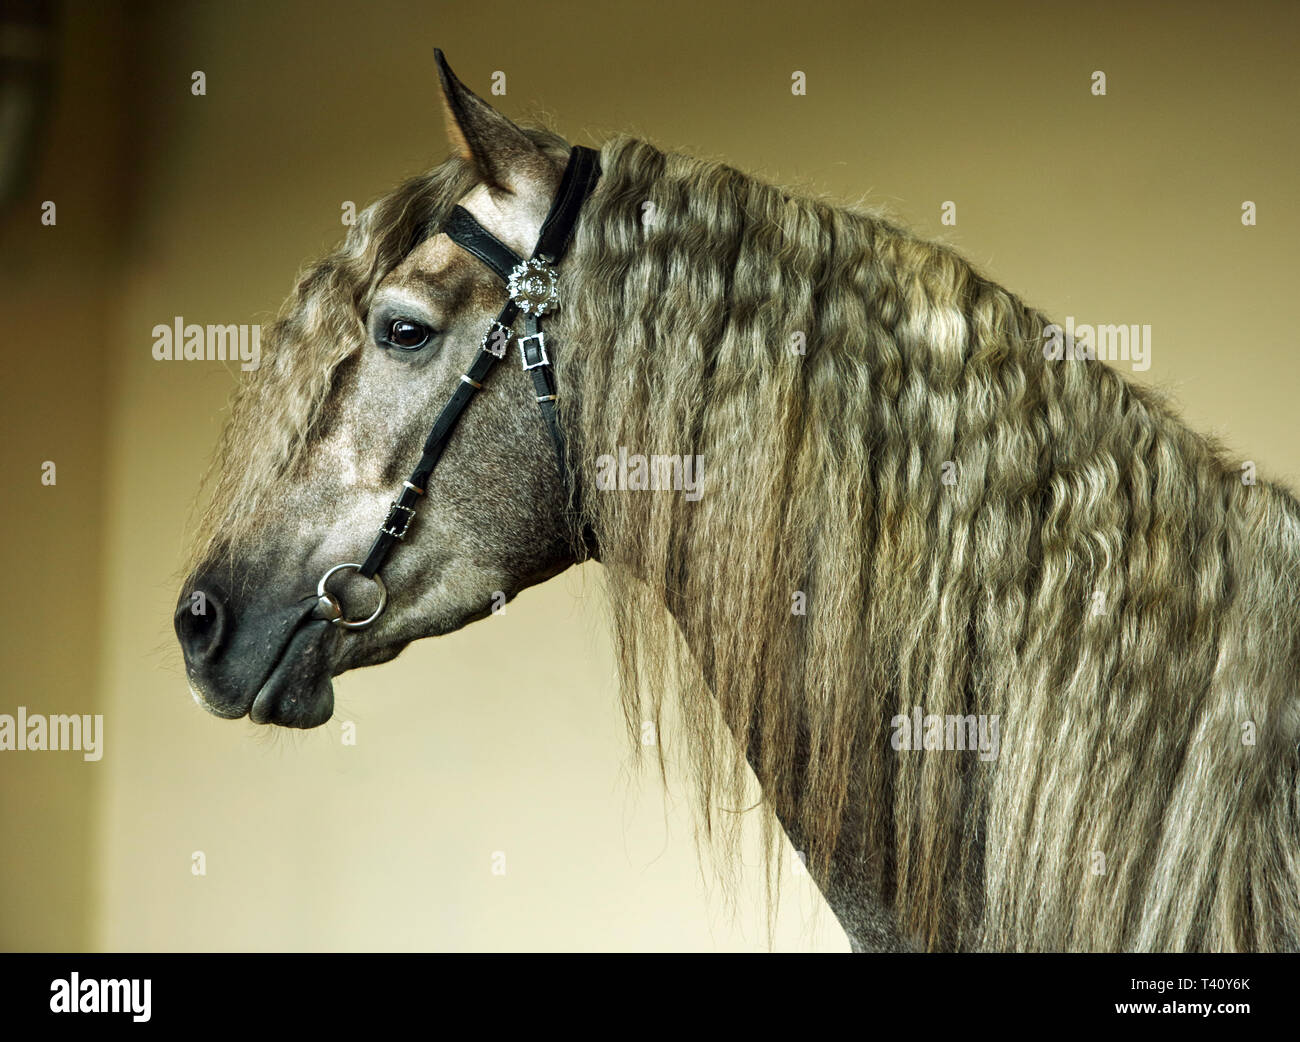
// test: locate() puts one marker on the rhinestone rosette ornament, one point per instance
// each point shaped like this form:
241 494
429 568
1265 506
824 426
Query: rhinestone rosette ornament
535 286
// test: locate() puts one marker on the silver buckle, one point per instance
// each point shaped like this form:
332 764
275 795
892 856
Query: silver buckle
386 527
540 337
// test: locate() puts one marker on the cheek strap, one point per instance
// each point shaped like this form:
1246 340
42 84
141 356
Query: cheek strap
533 287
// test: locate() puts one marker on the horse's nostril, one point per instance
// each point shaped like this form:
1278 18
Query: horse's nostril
201 618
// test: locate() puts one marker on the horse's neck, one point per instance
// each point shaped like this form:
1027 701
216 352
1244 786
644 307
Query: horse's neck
866 920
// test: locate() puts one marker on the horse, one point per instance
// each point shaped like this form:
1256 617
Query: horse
1011 651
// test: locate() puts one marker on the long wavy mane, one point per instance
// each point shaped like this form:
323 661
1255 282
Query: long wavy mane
1092 572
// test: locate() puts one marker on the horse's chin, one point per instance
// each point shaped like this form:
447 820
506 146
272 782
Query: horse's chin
298 692
299 704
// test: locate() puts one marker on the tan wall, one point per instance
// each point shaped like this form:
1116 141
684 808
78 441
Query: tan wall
1119 209
57 313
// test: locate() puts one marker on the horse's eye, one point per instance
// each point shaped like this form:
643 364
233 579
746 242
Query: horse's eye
407 335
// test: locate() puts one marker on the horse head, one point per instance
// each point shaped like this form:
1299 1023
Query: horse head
367 351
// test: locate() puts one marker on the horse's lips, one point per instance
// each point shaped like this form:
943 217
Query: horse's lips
298 691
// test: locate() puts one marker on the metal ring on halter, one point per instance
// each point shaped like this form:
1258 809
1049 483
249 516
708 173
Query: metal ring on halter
328 607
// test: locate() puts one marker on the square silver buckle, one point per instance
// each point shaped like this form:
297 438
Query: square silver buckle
388 526
540 337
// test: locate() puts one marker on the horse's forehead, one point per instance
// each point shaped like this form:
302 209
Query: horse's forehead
515 219
436 254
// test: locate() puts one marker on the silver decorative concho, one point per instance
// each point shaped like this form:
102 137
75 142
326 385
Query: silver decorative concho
535 286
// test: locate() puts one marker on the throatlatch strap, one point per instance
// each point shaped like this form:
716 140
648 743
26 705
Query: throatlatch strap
580 176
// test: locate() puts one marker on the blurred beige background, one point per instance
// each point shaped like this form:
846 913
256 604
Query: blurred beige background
1124 208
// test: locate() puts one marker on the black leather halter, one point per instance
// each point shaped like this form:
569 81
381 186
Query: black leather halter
533 286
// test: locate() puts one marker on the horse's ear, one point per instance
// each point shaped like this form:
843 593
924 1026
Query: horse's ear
504 156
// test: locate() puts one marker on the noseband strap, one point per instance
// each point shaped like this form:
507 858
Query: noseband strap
533 286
